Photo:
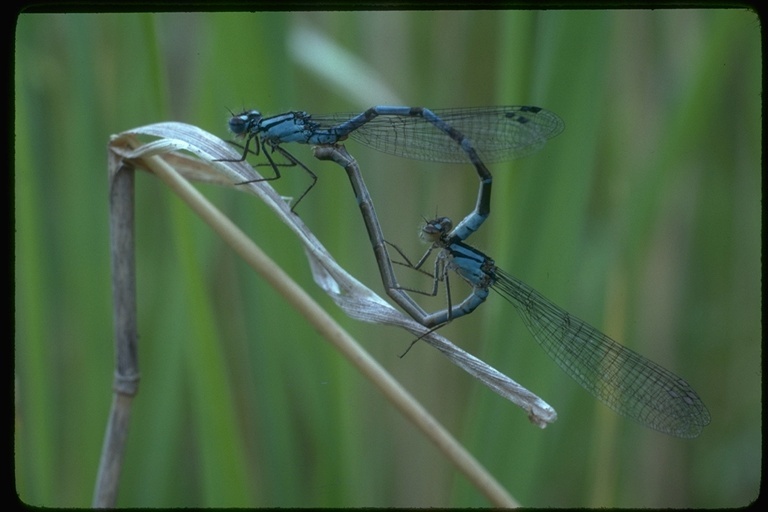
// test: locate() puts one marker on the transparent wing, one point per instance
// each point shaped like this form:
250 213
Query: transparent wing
627 382
497 133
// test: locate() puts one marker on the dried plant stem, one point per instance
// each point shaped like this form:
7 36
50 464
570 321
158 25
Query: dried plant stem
339 338
164 165
126 381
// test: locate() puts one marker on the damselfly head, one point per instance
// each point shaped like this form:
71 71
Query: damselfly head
434 229
241 124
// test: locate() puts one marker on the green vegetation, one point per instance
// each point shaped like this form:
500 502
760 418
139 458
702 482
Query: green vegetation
642 217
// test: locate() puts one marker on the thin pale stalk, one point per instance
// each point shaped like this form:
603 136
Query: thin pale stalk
126 380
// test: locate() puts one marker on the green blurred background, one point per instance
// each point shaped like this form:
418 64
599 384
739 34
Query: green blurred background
642 217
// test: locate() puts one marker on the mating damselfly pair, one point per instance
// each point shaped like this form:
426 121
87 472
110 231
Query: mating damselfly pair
627 382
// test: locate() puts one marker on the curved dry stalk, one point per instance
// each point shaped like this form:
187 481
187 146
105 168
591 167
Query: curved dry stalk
163 158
